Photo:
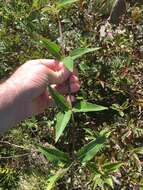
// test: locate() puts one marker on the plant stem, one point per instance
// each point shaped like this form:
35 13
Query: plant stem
73 123
73 126
61 34
14 145
72 131
15 156
72 138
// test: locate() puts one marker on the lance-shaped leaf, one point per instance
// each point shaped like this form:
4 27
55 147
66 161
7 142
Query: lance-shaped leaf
54 154
81 51
88 107
93 168
62 121
87 152
53 179
52 47
112 167
68 62
64 3
75 54
59 99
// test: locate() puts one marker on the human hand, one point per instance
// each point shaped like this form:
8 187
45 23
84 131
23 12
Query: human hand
30 85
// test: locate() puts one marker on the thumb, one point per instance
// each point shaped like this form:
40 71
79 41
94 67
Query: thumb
62 74
57 72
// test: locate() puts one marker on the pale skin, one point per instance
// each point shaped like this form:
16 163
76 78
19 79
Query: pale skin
25 93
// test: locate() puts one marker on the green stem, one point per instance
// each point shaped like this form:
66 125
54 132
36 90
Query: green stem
61 34
72 138
73 126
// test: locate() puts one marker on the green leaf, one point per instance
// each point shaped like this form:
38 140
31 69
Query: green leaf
59 99
109 181
137 150
53 179
52 47
53 154
118 108
137 161
81 51
62 121
93 168
97 181
36 4
64 3
106 132
69 60
112 167
88 107
87 152
69 63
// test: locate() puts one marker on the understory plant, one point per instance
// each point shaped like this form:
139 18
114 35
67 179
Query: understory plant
66 126
65 118
95 142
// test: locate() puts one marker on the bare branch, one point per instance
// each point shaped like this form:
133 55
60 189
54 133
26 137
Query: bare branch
14 156
14 145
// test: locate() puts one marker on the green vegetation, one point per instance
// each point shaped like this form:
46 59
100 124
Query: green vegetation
97 142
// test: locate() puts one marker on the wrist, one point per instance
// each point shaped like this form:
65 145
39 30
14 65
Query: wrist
10 105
